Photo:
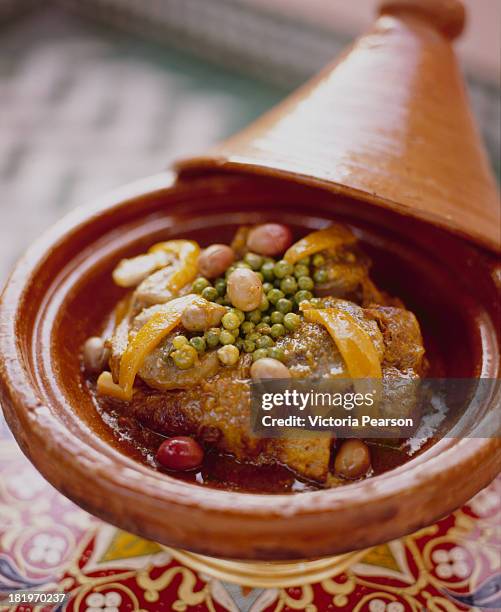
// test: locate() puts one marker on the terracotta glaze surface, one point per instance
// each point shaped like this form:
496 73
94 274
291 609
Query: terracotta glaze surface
382 140
60 293
388 123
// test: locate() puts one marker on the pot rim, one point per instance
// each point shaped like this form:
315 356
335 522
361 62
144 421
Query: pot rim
50 445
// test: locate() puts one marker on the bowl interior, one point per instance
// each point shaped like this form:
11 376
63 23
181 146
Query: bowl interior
84 296
68 296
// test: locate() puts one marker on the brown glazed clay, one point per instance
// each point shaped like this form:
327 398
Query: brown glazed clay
61 292
388 123
399 164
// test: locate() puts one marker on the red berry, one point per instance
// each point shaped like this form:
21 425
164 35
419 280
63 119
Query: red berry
180 453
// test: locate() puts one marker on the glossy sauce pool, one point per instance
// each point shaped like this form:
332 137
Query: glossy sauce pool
223 471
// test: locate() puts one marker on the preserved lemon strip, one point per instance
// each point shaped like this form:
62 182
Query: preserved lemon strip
130 272
330 238
122 309
187 251
106 386
146 339
354 343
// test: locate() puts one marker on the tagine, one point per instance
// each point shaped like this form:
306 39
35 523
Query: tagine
404 167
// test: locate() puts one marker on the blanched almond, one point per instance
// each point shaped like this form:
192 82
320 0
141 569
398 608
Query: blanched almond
215 260
269 239
245 289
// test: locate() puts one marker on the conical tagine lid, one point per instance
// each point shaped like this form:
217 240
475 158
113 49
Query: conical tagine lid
387 123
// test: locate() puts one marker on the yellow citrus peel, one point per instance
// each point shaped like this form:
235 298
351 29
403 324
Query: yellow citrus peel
354 343
187 251
330 238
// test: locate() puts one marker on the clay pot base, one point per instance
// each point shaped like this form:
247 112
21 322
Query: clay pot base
274 574
61 293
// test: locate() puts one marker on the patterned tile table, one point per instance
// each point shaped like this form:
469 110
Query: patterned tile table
48 543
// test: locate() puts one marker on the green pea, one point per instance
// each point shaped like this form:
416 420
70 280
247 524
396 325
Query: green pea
254 337
266 319
321 276
229 271
199 284
255 261
267 271
263 328
264 305
260 276
305 261
316 302
264 342
277 330
165 353
228 355
300 270
184 357
220 285
276 317
283 268
238 313
276 352
249 346
226 337
254 316
292 321
198 343
247 327
259 354
267 287
220 301
284 305
303 295
274 295
210 294
318 260
179 341
288 285
230 321
239 343
242 264
277 282
305 282
212 336
226 300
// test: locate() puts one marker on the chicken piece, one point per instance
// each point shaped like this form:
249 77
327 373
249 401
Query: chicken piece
217 412
403 360
154 289
161 373
347 269
155 369
403 342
